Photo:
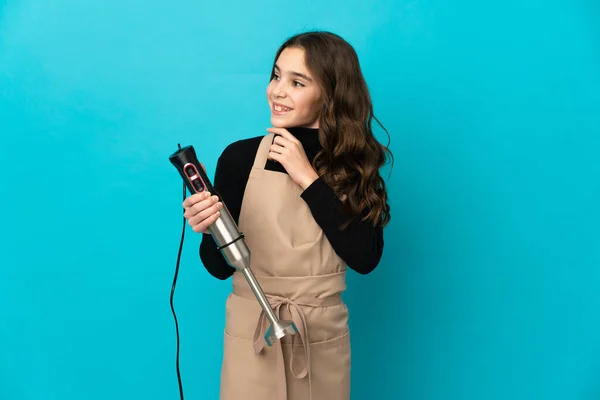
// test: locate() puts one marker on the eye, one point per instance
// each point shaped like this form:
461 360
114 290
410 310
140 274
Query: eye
296 83
275 76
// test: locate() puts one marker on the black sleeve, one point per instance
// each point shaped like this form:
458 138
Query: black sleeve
360 245
229 184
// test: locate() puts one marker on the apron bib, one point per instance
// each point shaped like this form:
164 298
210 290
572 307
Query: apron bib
303 278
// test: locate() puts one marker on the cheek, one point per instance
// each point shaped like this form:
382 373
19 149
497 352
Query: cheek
310 105
269 89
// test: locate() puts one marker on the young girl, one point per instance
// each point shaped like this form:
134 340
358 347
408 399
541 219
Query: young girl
308 196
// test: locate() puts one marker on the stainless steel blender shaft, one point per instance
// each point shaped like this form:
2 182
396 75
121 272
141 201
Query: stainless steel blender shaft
235 251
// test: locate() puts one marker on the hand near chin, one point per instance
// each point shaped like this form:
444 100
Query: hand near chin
288 151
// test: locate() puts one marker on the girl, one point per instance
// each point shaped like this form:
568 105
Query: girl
309 198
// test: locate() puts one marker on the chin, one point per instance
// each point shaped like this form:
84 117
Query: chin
290 122
278 123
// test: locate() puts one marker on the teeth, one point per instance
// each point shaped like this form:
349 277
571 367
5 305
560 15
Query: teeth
281 108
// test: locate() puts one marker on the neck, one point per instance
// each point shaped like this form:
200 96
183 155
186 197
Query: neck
302 128
299 131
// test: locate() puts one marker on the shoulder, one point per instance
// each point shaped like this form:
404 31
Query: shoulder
242 146
240 152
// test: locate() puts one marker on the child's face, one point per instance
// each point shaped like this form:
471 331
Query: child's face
293 94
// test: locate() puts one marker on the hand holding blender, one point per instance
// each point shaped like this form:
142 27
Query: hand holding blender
230 241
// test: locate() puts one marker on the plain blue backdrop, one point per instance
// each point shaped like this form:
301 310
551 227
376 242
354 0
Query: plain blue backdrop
489 287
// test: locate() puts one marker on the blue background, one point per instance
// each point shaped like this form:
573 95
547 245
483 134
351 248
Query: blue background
489 286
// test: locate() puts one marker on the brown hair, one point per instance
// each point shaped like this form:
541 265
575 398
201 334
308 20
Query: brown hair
351 156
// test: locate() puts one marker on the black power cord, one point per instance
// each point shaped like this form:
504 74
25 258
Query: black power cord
173 292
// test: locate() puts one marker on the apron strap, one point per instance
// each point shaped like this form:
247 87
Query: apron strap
263 151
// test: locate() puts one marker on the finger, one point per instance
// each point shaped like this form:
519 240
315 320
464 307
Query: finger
275 156
284 132
279 149
202 223
280 140
205 214
203 227
194 199
198 207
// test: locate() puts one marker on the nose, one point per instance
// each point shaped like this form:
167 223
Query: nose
278 90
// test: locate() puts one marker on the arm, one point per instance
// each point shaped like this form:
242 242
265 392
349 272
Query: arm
360 245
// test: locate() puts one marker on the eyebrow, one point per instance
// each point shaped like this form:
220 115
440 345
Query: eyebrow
301 75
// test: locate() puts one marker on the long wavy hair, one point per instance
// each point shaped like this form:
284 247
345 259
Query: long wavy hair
351 157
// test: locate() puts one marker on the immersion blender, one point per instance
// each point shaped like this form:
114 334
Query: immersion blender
229 239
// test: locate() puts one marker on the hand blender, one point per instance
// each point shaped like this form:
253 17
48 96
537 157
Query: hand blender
229 239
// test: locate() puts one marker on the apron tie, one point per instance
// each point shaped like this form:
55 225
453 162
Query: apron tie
299 319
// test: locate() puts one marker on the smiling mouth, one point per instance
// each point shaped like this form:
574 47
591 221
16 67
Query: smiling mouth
280 108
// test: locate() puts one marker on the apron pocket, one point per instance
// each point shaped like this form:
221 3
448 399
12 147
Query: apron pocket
330 368
244 374
241 317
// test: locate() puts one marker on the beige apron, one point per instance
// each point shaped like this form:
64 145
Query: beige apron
303 279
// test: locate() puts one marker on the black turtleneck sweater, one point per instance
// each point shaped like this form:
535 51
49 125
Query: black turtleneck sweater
360 244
